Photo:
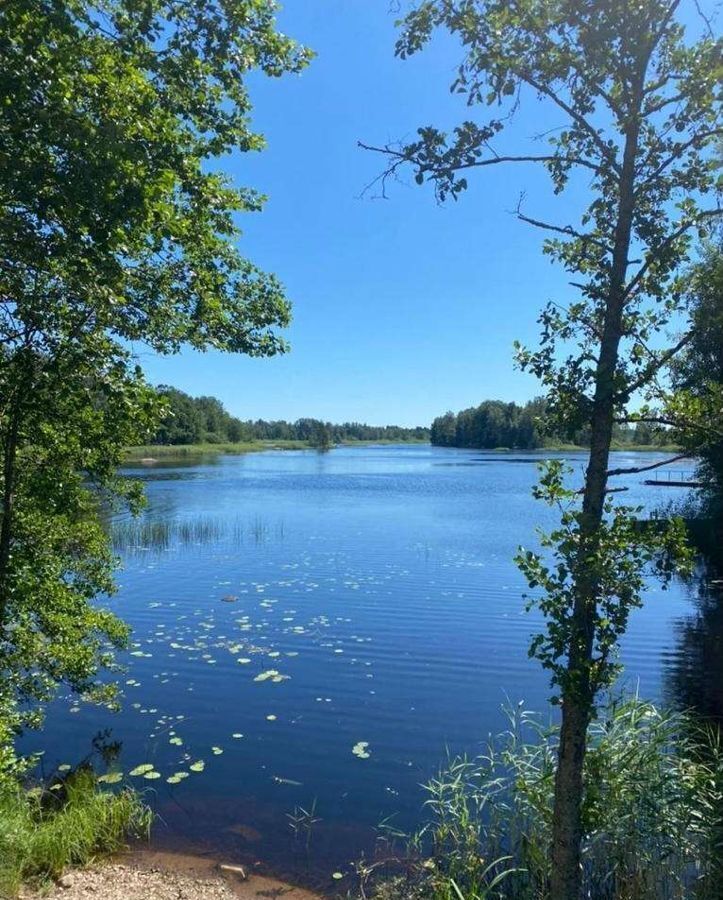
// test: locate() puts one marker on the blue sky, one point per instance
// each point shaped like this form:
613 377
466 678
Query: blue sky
402 308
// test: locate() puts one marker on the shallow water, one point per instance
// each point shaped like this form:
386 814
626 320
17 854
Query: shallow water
373 589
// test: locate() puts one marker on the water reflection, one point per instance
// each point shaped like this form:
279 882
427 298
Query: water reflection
695 675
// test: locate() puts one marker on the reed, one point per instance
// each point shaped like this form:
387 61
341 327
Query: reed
158 535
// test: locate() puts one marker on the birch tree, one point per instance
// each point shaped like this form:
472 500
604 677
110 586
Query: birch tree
633 107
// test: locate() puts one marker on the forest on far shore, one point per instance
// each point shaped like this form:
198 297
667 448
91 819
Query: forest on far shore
204 420
490 425
495 424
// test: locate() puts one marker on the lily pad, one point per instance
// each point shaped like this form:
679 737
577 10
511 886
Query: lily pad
110 778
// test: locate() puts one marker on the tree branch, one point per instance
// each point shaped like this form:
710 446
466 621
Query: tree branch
681 424
655 367
653 255
567 230
400 157
633 470
681 149
579 119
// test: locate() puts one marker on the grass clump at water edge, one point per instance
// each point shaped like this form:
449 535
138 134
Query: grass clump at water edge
652 817
43 830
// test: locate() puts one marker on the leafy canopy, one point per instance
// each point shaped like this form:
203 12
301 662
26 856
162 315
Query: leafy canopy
116 226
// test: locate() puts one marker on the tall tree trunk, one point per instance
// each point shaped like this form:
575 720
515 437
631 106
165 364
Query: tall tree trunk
10 452
578 695
10 455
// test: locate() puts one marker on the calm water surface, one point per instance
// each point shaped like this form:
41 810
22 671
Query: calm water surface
374 591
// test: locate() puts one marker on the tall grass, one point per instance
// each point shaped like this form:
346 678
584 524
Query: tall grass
43 831
653 814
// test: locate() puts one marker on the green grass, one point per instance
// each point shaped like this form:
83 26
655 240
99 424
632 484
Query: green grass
561 446
182 451
44 831
185 451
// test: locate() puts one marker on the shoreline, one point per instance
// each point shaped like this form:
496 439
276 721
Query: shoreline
153 453
148 874
160 452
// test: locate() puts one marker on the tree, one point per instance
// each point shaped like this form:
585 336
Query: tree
634 110
320 435
181 421
492 424
444 430
115 227
694 407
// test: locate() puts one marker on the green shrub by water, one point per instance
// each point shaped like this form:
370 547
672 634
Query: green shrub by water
653 815
45 830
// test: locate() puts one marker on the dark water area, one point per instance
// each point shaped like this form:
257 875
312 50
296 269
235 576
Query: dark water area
320 630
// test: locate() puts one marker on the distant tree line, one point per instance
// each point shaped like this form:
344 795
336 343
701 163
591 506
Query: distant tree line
194 420
497 424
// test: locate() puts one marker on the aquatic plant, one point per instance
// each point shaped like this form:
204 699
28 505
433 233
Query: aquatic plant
302 822
158 535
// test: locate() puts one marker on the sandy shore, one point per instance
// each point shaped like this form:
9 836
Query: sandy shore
149 875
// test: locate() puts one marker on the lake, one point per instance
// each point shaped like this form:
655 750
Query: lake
319 631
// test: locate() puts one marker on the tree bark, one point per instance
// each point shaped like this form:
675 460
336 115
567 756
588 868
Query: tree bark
10 451
578 693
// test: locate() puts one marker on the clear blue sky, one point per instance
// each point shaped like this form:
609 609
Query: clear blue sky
402 308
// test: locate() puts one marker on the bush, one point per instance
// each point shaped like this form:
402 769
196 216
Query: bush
70 823
652 814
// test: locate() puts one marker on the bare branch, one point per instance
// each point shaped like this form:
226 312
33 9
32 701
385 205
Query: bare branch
567 230
707 428
633 470
706 20
618 490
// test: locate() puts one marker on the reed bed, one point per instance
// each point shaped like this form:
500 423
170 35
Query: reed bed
653 816
158 535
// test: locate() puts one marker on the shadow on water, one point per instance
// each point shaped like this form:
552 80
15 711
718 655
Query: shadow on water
297 846
695 676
